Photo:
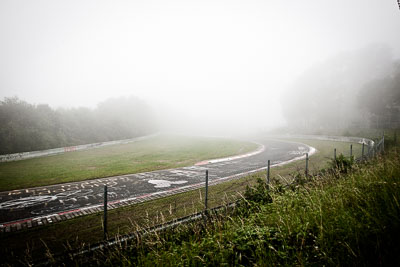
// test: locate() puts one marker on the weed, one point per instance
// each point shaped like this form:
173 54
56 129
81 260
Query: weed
259 193
342 164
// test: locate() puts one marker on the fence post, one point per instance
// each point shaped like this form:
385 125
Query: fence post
206 198
334 154
395 137
369 152
306 164
383 142
351 151
105 213
362 151
268 171
372 149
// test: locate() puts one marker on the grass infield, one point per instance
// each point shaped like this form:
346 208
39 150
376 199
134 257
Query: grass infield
161 152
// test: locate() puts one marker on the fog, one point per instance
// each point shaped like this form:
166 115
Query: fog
212 67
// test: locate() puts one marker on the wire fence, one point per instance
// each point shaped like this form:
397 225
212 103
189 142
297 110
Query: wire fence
230 189
199 204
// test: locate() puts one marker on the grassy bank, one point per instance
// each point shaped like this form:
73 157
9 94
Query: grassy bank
33 243
321 159
332 219
157 153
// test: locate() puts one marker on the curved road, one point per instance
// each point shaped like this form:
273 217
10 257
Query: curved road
41 205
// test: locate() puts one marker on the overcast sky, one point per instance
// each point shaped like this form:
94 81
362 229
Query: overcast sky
206 59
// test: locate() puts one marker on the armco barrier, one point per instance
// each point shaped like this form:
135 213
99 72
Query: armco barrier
55 151
359 140
372 147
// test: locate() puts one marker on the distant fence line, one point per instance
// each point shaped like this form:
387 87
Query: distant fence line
61 150
359 140
372 148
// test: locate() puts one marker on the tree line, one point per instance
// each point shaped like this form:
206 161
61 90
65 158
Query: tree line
29 127
353 89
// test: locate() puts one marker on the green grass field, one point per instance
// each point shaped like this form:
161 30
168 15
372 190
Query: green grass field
161 152
88 229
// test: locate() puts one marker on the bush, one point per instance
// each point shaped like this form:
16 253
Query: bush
258 194
342 164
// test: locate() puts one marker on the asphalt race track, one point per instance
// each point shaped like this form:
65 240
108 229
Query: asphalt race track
19 206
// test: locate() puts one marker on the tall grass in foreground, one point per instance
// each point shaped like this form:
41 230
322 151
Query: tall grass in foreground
334 218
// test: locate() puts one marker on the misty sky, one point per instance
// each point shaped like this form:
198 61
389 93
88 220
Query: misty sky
209 60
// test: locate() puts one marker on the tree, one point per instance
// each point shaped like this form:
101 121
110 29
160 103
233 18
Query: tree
380 99
27 127
325 96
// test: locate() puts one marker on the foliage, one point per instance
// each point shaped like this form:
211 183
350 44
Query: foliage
326 96
380 98
28 127
259 193
342 164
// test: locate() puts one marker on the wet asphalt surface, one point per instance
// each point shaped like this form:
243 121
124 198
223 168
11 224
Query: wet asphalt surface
41 201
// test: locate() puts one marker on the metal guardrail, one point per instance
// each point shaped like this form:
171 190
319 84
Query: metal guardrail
206 214
61 150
